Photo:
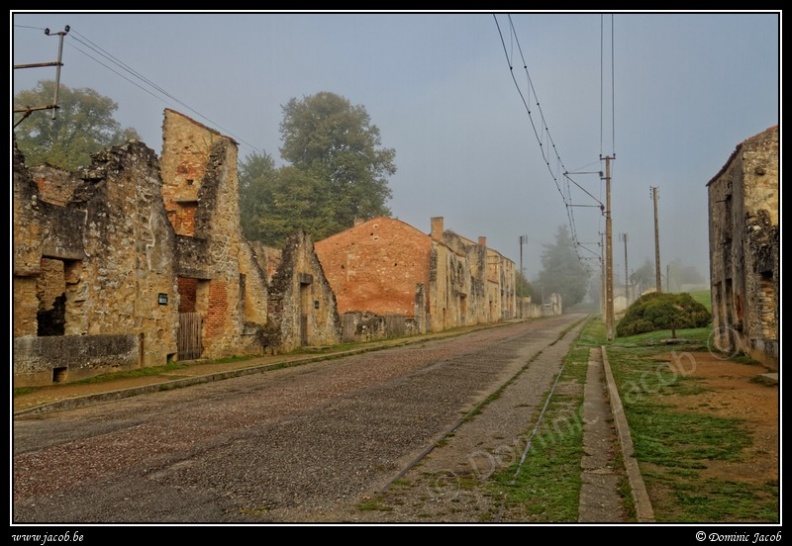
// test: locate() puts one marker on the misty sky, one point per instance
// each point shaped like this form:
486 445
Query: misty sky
671 100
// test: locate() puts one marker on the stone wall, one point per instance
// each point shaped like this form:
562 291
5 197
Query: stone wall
361 327
59 359
95 266
128 245
55 186
744 249
200 194
384 267
302 307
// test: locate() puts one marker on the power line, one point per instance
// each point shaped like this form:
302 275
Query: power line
545 132
104 53
158 92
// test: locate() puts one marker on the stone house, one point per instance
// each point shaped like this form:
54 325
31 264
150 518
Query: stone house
136 261
744 249
301 306
93 269
223 279
392 279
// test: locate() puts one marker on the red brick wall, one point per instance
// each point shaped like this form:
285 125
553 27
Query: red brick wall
218 309
376 266
187 294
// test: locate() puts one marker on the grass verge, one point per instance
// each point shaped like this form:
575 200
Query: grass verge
545 487
675 447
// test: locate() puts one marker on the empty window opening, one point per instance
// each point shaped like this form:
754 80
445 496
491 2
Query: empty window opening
52 321
59 375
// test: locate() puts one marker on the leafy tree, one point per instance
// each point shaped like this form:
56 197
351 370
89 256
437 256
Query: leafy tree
522 286
327 135
83 125
663 311
562 270
257 179
290 200
337 171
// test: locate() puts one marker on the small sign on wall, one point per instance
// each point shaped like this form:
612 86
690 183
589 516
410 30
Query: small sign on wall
162 299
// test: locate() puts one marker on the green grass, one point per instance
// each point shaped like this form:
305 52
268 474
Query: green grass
137 372
546 486
25 390
703 297
675 445
375 504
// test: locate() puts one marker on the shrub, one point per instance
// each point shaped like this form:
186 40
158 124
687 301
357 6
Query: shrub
660 311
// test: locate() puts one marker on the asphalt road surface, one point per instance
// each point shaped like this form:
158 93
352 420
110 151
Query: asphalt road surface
294 445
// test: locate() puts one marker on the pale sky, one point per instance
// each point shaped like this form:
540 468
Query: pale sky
671 100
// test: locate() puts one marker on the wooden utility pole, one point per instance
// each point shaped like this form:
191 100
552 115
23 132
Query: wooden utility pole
27 110
608 253
623 237
603 289
658 274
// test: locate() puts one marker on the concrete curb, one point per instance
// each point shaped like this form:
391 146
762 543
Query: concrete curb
643 506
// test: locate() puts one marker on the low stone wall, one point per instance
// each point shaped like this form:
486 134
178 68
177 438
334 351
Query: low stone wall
526 309
41 361
363 326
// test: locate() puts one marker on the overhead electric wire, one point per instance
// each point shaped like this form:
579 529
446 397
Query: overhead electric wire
613 91
101 51
83 40
565 197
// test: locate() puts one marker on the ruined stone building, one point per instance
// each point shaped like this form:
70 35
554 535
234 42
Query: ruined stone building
93 264
392 279
744 249
137 261
222 280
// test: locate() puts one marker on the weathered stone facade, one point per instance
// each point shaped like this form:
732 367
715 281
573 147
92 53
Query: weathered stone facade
250 298
301 305
199 190
116 264
744 249
384 268
92 261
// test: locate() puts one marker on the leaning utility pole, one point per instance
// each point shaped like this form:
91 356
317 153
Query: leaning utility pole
658 274
608 253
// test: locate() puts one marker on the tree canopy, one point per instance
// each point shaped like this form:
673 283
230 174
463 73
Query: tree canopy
562 270
663 311
337 171
83 125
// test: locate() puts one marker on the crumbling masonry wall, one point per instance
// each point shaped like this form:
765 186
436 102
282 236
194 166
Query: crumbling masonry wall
744 249
384 268
94 267
302 306
200 194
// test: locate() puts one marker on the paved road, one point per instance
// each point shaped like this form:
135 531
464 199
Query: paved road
298 444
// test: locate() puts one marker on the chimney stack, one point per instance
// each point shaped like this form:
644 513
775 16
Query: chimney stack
437 228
